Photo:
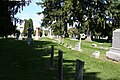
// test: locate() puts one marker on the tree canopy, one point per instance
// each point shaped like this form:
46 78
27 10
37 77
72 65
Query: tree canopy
8 8
28 24
93 16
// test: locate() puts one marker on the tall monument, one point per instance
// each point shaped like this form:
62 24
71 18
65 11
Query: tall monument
37 34
114 52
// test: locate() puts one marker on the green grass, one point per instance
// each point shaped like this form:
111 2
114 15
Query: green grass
18 61
95 69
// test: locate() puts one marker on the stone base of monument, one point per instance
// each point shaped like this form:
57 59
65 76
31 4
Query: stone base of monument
113 54
36 37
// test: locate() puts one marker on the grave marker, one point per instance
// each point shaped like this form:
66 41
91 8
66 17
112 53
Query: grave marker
79 70
37 34
96 54
29 37
60 65
52 56
114 52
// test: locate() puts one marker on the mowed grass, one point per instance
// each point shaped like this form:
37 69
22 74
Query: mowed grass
95 69
18 61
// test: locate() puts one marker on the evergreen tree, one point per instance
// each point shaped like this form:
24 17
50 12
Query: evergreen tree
91 15
28 24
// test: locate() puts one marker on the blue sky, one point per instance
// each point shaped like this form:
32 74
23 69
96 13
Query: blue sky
30 12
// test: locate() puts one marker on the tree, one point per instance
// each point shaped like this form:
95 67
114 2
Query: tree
8 9
28 24
91 15
55 15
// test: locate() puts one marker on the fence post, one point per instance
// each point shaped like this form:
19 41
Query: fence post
52 57
60 65
79 70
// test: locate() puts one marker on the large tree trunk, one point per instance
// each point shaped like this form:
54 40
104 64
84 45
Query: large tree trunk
65 29
88 35
61 38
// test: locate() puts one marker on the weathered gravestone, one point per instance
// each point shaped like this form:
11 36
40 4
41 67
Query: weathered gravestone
52 56
77 47
21 31
60 65
79 70
96 54
114 52
29 37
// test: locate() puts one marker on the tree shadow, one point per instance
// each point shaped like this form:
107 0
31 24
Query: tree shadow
20 61
91 75
69 71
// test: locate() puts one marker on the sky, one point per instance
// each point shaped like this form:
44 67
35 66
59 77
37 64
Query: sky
31 12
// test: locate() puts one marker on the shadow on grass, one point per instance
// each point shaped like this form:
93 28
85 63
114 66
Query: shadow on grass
69 72
91 75
18 61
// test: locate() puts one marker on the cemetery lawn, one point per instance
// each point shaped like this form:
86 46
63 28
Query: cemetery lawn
18 61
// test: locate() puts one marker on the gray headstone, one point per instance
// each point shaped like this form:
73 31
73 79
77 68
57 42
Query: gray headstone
114 52
29 37
77 47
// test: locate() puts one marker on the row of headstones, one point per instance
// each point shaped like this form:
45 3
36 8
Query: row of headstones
79 65
77 45
37 35
95 54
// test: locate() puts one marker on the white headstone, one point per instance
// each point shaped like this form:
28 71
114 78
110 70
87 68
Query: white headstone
77 47
21 31
96 54
114 52
43 32
37 34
